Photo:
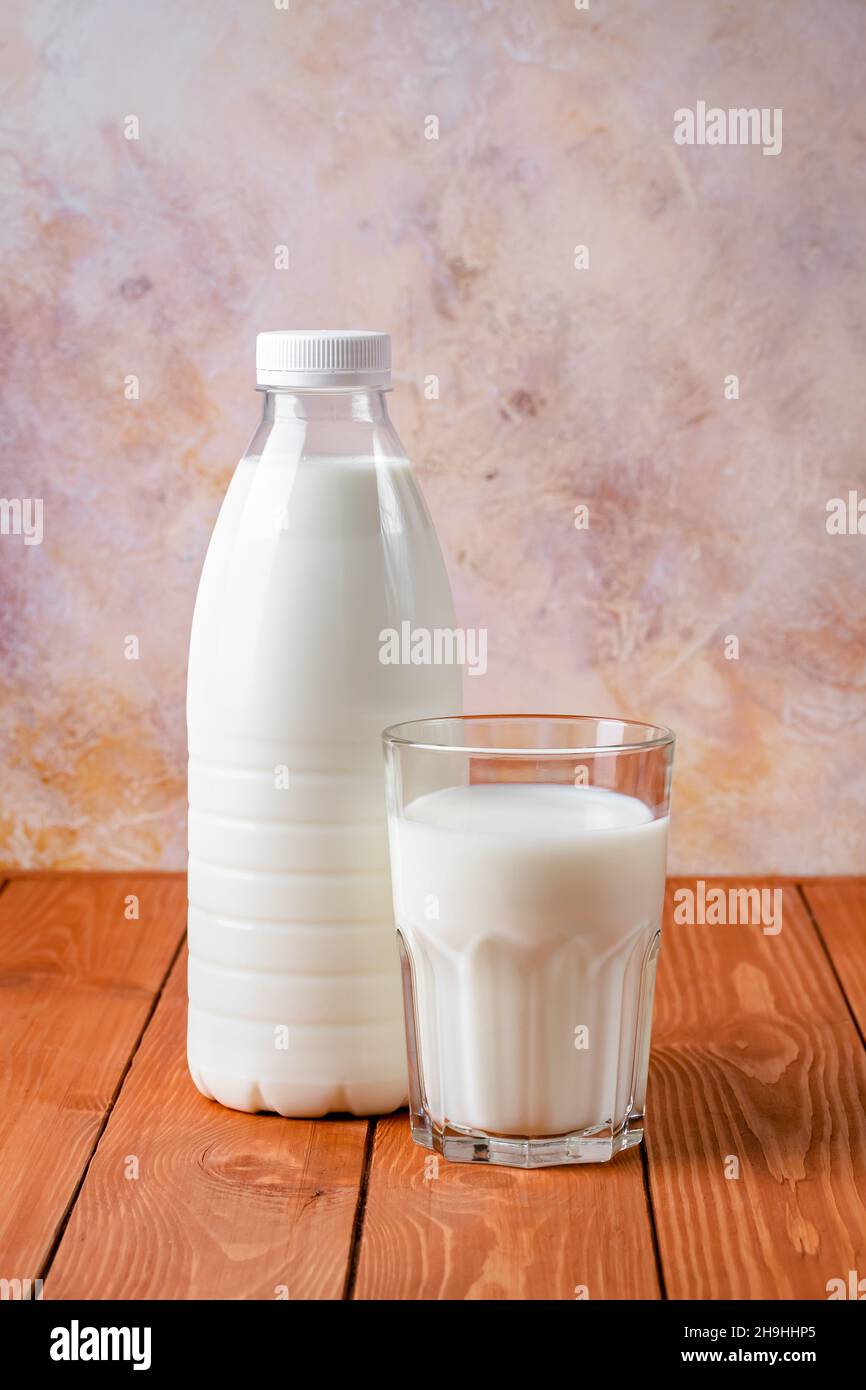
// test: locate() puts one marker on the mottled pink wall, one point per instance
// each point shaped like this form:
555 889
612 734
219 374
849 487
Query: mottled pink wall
558 386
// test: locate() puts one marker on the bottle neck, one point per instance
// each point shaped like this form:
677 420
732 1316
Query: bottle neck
366 405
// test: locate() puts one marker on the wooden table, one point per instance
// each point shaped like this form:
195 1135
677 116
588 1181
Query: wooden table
119 1180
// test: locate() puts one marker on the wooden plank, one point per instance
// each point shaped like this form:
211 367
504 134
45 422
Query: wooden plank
16 875
756 1057
839 910
78 981
437 1230
225 1205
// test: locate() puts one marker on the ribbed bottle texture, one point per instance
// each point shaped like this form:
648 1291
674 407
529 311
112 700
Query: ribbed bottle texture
295 1000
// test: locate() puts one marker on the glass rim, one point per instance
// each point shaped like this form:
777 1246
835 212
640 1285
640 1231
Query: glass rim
399 736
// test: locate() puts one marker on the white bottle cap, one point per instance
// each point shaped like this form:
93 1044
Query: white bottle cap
323 358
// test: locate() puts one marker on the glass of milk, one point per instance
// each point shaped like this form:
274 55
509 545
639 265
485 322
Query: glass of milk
528 869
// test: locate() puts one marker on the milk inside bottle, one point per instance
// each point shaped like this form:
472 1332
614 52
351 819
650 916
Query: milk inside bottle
323 544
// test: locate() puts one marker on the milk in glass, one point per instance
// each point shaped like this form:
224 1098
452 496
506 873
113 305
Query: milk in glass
530 920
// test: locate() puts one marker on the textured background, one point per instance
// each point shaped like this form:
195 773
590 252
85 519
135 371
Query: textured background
558 386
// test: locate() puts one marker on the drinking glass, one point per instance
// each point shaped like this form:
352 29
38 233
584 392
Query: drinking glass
528 869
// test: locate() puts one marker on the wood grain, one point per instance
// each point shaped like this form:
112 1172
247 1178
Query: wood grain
77 981
756 1057
225 1205
437 1230
839 910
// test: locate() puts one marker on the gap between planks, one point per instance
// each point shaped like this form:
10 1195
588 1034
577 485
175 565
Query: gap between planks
226 1205
359 1229
757 1056
79 979
360 1211
834 967
64 1220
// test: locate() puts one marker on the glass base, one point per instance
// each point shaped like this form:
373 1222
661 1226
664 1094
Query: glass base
460 1145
